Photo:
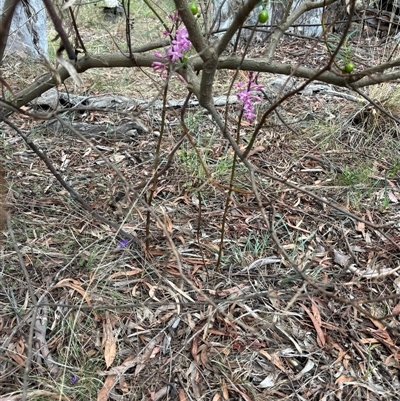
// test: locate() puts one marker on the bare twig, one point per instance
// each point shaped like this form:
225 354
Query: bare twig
29 355
70 190
40 337
57 23
21 261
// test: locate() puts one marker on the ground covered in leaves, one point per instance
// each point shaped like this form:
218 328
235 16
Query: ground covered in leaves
217 299
121 322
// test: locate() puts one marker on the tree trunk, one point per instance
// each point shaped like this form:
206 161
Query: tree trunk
27 34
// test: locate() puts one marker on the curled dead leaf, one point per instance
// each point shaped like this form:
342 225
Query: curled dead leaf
75 285
110 346
320 334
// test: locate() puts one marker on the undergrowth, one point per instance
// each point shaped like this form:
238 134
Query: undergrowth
164 320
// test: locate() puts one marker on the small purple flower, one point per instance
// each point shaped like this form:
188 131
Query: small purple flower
74 379
180 44
174 53
182 39
160 67
123 243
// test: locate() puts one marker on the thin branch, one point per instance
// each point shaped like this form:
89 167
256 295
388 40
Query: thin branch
195 34
57 23
304 85
70 190
50 80
29 346
281 29
252 170
77 33
207 53
361 79
377 105
236 24
21 261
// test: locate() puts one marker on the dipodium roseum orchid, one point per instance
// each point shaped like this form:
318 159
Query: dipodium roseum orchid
175 51
247 95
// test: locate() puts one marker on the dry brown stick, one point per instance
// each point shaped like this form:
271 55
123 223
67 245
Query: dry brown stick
29 355
40 339
21 262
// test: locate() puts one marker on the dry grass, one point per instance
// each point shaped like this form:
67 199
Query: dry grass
3 194
112 325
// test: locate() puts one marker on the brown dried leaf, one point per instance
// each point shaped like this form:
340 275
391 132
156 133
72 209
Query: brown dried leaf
20 346
225 392
123 385
227 291
384 337
151 350
75 285
110 345
342 354
274 359
216 332
195 379
369 341
195 350
107 387
357 248
361 228
152 291
204 358
243 394
378 324
37 395
3 192
390 361
396 309
130 362
392 197
320 334
315 311
257 149
11 352
165 225
182 395
126 273
273 296
344 379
